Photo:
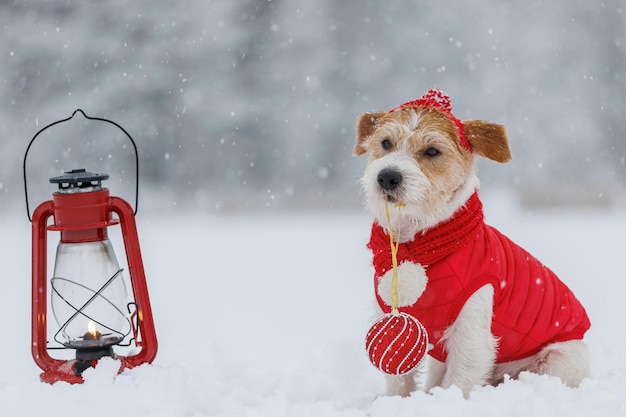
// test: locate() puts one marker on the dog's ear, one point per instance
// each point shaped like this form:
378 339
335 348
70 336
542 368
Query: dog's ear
365 126
488 140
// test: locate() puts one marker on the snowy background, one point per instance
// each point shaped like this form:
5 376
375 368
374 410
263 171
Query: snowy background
252 103
250 218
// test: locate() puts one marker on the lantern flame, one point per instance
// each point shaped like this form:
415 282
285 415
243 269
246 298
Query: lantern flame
91 328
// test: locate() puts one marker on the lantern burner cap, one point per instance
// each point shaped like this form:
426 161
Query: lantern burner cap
79 179
85 358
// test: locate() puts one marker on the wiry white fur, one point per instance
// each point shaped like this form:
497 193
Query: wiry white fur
413 179
412 282
469 343
416 214
402 385
567 360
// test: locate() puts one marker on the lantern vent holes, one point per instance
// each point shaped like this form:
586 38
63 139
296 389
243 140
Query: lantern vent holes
115 337
79 180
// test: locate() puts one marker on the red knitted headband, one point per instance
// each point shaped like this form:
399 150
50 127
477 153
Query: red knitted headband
441 101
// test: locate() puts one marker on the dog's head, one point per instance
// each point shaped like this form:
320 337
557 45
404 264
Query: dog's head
422 157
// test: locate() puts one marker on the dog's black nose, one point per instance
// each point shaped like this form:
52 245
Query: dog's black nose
389 179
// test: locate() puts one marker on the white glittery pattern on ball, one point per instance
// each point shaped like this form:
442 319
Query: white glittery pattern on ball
385 357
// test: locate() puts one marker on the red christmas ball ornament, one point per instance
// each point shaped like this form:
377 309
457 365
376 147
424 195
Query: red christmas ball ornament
396 343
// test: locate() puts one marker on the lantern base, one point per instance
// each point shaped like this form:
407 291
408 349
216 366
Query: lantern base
66 371
87 358
71 371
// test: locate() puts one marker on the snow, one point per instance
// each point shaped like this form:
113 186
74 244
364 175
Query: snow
266 314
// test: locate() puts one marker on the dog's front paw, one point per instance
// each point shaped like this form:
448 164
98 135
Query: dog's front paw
412 282
401 385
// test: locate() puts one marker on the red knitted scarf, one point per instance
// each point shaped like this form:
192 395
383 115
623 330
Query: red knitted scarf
432 245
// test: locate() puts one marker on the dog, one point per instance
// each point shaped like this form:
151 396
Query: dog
490 308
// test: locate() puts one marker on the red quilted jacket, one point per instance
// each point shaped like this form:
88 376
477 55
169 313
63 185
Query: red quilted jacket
532 307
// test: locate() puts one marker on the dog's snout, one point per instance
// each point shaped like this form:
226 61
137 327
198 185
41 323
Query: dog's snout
389 179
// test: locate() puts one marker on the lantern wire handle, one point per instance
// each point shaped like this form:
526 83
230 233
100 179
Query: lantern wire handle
134 322
99 119
394 258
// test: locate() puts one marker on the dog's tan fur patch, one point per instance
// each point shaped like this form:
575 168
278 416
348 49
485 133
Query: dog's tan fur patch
487 139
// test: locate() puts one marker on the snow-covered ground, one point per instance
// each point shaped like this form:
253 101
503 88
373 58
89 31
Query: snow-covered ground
265 315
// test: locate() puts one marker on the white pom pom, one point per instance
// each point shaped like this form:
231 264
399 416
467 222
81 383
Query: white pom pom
412 282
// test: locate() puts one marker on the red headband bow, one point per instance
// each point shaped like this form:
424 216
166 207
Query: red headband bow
441 101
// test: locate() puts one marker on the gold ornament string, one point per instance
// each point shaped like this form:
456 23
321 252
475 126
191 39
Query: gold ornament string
394 259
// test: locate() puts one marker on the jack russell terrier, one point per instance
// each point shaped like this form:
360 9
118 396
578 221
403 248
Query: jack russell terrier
490 308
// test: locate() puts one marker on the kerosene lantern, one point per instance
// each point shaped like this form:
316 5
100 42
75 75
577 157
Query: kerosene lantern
87 290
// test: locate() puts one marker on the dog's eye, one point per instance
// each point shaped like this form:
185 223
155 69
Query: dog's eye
386 144
432 152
